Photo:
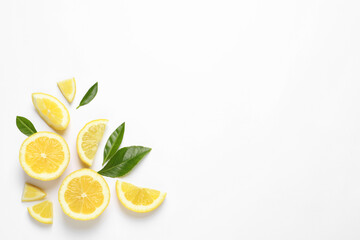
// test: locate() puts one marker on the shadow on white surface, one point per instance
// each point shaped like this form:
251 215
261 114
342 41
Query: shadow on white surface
80 225
37 223
82 164
45 185
62 133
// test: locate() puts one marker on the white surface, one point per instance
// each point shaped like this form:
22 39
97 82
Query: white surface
251 108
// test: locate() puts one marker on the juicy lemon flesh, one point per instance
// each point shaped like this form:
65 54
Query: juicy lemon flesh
44 155
91 139
139 196
32 193
84 195
43 209
67 88
50 110
42 212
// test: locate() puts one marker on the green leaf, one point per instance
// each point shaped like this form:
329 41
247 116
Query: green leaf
89 96
25 126
113 143
124 160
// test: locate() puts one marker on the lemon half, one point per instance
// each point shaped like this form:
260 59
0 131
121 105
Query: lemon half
138 199
88 140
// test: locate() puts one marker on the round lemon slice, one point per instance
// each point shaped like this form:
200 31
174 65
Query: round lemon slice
44 156
84 194
138 199
42 212
88 140
68 89
51 110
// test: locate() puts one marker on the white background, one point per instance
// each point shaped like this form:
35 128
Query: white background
252 109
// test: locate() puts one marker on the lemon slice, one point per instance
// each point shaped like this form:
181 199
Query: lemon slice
44 156
51 110
42 212
84 194
68 89
88 140
32 193
138 199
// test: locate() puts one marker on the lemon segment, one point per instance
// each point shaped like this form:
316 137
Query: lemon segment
68 89
44 156
32 193
88 140
84 194
51 110
138 199
42 212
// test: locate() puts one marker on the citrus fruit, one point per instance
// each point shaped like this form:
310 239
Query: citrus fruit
32 193
44 155
138 199
42 212
84 194
68 89
88 140
51 110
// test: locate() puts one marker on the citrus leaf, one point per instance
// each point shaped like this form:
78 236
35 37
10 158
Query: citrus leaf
113 143
89 96
25 126
124 160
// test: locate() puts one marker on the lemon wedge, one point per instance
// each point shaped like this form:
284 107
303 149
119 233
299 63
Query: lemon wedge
68 89
32 193
51 110
88 140
84 194
42 212
138 199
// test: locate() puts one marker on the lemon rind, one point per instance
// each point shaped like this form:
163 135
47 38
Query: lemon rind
44 176
80 216
138 208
